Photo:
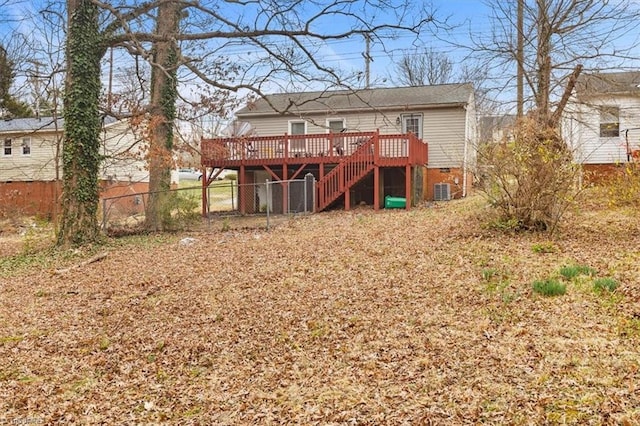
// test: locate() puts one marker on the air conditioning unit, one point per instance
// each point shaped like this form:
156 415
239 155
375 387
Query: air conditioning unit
442 192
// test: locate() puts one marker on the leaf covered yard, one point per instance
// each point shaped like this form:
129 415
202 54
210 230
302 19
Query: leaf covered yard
394 317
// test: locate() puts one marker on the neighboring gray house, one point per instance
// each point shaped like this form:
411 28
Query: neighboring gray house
497 128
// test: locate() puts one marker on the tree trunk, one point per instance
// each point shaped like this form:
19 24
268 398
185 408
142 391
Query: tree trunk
543 61
162 115
81 147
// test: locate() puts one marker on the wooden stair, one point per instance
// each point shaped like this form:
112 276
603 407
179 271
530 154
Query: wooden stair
349 171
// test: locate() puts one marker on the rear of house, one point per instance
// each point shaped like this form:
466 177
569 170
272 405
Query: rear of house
443 116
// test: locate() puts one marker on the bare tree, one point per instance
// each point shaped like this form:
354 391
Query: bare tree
530 181
558 38
246 46
162 109
428 66
422 67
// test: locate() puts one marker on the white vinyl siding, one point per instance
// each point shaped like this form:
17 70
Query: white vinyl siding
122 160
582 129
444 129
37 164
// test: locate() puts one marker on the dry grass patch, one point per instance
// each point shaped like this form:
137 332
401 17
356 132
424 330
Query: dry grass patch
338 318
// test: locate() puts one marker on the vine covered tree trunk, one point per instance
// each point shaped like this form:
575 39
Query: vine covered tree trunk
81 147
162 115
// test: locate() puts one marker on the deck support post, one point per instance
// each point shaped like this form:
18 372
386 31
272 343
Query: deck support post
242 201
376 188
407 189
347 198
285 190
205 184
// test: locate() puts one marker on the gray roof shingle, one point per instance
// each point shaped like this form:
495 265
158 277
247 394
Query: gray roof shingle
608 83
358 100
15 125
30 125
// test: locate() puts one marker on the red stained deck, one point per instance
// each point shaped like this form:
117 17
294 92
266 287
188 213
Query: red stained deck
342 159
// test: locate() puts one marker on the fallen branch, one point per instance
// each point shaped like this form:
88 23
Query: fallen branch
93 259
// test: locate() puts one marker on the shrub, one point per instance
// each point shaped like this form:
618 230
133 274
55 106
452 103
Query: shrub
529 181
624 188
549 287
489 273
546 247
572 271
605 284
180 211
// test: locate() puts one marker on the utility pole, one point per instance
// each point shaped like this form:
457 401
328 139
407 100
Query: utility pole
35 84
367 60
520 59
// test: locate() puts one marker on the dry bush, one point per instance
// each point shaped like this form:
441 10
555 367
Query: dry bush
623 189
530 181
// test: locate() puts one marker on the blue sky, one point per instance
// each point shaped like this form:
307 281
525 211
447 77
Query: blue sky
470 12
465 16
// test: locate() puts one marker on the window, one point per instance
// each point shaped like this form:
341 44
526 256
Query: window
26 146
298 128
412 123
609 122
7 147
336 126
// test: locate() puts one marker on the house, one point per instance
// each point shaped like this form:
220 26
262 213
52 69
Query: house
496 128
31 164
601 123
360 145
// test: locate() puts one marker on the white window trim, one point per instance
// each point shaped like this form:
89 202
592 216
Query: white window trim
303 142
4 140
344 123
292 122
609 109
22 147
419 115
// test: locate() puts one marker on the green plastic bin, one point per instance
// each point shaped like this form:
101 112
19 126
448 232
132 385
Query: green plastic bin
395 202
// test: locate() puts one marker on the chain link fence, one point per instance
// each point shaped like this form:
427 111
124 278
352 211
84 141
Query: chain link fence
228 206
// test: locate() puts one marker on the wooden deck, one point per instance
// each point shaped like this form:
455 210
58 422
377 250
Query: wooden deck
341 160
328 148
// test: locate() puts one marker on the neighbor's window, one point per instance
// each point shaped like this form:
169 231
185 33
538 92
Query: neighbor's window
609 122
26 146
7 147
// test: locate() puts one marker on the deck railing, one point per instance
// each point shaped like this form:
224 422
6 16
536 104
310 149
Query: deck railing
347 173
325 147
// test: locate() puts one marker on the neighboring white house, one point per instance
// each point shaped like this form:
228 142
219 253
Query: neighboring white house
31 162
444 116
602 121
